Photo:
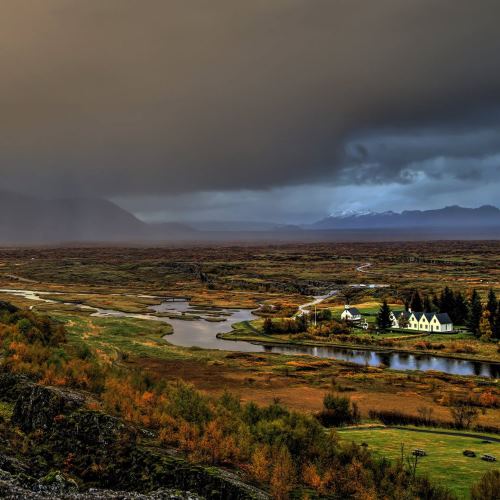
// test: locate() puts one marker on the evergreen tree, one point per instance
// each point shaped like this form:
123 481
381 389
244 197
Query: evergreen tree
427 304
435 302
416 302
383 317
446 301
475 313
496 329
460 313
491 307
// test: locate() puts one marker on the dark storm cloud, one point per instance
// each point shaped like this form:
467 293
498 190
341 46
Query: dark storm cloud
400 156
138 97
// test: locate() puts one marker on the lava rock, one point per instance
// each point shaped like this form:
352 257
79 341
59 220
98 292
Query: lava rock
37 407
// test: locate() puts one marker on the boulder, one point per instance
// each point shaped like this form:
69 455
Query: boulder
12 385
12 465
57 485
37 407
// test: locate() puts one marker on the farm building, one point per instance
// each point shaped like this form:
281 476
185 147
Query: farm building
422 321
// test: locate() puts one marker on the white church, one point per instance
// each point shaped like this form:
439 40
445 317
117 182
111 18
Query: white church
350 314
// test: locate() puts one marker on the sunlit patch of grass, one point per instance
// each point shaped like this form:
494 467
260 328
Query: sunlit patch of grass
444 463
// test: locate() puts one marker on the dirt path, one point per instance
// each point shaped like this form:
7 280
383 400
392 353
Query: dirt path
19 278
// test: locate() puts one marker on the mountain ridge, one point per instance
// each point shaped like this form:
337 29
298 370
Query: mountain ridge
449 216
30 220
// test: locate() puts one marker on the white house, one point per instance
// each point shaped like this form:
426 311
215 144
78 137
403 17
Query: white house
350 314
422 321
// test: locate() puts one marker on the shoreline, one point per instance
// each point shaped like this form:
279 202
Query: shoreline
362 347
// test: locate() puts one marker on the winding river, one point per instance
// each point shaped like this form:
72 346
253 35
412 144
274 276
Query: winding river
203 333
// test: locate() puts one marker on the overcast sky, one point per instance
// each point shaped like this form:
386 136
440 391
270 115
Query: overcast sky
282 110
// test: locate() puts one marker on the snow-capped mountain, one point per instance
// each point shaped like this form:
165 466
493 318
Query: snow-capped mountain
350 212
453 216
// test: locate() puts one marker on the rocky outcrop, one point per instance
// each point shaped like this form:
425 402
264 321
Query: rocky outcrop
102 451
57 486
38 407
12 385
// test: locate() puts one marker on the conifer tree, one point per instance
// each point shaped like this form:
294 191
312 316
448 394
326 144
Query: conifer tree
427 304
435 302
475 312
416 302
496 327
383 318
460 311
491 307
446 301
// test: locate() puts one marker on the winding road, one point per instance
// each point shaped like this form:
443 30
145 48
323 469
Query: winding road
362 268
304 308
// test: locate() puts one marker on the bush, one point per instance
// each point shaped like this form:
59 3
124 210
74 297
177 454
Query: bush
488 487
395 417
338 410
464 414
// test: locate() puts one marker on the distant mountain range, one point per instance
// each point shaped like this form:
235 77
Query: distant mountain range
448 217
27 220
30 220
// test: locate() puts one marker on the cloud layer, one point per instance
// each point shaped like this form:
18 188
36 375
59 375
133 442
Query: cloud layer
185 108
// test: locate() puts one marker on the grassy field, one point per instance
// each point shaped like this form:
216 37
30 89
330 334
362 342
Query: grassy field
444 462
115 338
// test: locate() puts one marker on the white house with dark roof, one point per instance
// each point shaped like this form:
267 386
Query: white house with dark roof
422 321
350 314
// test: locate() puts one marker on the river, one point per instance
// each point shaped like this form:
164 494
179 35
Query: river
203 333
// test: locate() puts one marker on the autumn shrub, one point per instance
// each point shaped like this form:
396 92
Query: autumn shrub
338 410
426 345
462 348
396 417
488 400
488 487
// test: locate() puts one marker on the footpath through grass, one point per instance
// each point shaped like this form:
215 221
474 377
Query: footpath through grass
444 463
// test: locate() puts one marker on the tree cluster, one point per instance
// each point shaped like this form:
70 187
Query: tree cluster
483 320
338 410
324 325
